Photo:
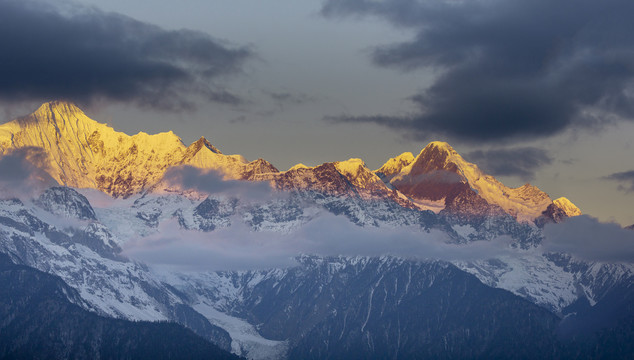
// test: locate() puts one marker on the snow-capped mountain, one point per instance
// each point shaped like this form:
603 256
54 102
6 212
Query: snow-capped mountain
83 153
461 244
440 175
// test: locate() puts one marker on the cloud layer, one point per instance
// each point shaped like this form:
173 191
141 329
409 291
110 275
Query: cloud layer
238 247
508 69
81 54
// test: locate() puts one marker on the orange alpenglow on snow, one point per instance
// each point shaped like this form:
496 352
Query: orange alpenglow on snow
83 153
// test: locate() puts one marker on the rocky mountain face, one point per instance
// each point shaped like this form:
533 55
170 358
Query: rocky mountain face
65 202
558 211
387 308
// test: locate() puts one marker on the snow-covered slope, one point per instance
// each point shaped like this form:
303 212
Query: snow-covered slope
393 166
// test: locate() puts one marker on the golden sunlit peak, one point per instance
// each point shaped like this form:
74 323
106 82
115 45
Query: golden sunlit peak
441 145
352 162
567 206
435 149
203 142
351 166
406 156
396 164
59 106
299 166
58 113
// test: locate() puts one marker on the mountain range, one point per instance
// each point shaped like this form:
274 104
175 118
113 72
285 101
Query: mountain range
83 153
426 256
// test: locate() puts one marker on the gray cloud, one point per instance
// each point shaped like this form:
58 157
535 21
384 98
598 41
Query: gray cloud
520 162
626 180
508 69
282 98
589 239
82 54
214 182
23 172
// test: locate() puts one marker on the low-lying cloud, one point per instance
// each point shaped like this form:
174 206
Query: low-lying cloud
507 69
23 172
238 247
215 182
589 239
81 54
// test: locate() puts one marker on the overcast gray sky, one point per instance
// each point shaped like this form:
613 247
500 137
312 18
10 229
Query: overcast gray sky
534 91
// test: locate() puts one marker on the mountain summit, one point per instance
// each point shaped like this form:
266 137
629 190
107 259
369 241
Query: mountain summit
440 175
82 153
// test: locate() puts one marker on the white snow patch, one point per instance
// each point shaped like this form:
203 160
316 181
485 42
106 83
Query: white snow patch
245 340
464 230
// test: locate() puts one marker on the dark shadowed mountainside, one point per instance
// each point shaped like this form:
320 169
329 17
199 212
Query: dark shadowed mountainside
39 322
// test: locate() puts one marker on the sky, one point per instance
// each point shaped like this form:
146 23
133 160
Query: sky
537 91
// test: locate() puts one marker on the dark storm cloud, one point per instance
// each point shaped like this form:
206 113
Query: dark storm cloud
520 162
81 54
589 239
508 69
626 180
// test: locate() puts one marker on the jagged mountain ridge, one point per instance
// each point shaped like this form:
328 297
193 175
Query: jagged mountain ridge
83 153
